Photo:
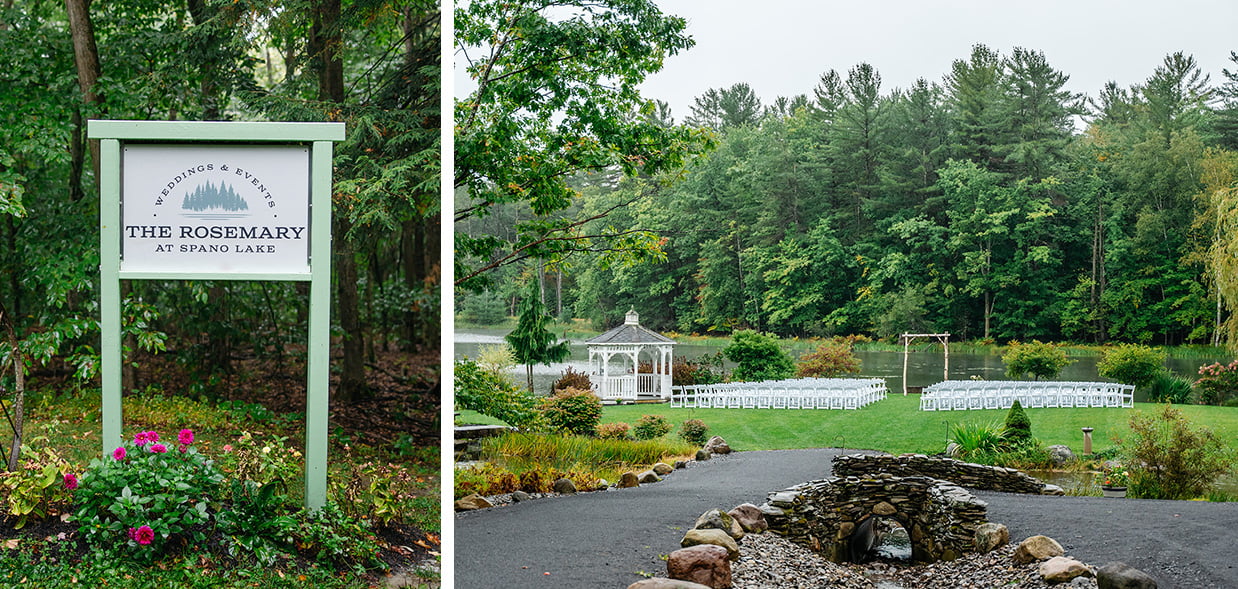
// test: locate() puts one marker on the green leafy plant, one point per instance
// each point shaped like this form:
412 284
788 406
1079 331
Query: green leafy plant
1170 459
757 357
831 358
328 535
1167 387
145 493
1132 364
256 522
1115 476
1040 360
485 392
573 410
694 431
650 427
974 441
39 488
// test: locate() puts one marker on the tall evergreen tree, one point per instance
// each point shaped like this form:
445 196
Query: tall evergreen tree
531 342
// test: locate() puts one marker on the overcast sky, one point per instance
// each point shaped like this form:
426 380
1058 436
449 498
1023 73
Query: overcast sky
780 47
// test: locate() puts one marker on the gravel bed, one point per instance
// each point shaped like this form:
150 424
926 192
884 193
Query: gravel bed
769 561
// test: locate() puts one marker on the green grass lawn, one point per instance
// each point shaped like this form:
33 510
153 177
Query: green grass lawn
897 425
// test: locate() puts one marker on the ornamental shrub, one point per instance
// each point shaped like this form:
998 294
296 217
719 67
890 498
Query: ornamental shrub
572 380
613 431
831 358
485 392
694 431
1132 364
651 427
573 410
1040 360
1169 459
1218 384
757 357
146 495
1018 428
706 369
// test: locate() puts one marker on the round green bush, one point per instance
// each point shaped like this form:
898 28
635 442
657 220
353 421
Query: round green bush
694 431
1040 360
757 357
573 410
651 427
1132 364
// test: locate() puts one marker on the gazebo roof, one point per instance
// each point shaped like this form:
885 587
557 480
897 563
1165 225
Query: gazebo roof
629 333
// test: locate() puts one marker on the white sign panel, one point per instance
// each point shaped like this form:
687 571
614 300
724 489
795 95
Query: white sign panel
240 209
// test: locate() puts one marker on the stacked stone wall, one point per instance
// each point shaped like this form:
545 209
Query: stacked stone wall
964 474
940 518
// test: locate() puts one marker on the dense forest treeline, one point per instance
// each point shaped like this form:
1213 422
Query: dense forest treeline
992 204
371 64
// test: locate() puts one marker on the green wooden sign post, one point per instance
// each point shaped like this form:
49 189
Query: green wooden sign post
218 201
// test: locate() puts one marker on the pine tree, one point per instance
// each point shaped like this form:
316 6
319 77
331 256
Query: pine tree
531 342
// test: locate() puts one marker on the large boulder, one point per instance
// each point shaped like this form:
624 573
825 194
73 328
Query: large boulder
648 477
662 469
990 536
706 564
750 518
1060 455
1061 569
719 520
520 496
628 479
711 536
564 486
1037 548
717 445
1119 575
664 583
703 455
472 502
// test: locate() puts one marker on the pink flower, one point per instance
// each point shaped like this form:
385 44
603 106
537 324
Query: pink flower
143 535
185 437
119 453
139 439
70 481
227 447
183 448
158 448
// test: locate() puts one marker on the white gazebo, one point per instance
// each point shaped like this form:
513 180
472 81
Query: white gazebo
628 345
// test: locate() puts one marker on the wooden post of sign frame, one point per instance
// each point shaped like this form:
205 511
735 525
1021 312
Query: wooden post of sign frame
318 138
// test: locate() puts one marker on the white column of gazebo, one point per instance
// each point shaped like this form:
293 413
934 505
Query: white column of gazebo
615 360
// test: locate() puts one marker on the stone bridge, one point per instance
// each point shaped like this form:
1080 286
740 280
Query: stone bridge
965 474
832 516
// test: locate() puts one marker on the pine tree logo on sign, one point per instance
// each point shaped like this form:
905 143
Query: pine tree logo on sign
209 201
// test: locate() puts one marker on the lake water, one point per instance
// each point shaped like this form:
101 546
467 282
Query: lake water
923 367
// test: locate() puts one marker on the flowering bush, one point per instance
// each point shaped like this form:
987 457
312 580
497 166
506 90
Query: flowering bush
1217 383
1116 476
142 495
694 431
613 431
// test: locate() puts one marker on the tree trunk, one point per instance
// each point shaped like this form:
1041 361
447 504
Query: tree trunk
352 374
19 393
86 57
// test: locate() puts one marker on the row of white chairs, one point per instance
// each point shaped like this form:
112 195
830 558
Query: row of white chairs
803 393
963 395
